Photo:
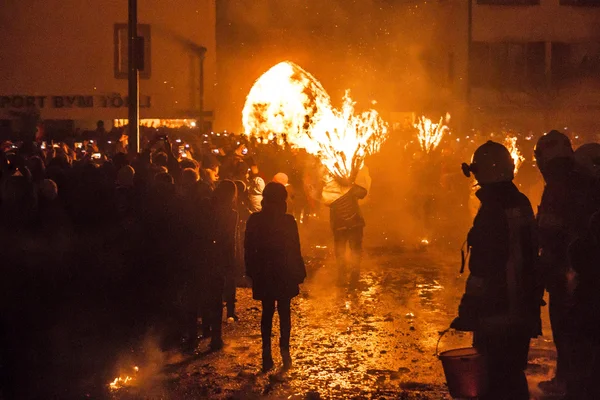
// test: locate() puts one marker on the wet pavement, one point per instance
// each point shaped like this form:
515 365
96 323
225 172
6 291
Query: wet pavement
378 341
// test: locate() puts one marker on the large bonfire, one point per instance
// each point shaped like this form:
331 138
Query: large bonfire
287 100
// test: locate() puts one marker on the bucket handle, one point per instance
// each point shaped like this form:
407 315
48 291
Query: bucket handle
437 345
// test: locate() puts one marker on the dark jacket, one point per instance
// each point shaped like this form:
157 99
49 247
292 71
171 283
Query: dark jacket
566 206
503 282
584 256
345 212
272 255
221 233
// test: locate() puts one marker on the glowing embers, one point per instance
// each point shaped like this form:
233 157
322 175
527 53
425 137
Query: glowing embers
123 380
287 100
430 134
510 142
159 123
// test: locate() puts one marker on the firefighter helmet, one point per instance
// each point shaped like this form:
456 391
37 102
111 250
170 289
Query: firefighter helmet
551 146
587 157
491 163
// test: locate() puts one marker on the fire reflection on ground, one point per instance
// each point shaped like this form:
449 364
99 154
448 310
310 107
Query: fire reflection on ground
377 341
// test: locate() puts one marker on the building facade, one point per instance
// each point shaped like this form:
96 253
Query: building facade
67 60
529 62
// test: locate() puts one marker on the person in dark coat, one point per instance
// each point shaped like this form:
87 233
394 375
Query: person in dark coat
503 295
563 216
584 257
221 234
275 265
231 280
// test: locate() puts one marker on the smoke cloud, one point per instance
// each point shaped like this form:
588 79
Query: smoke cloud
384 51
391 54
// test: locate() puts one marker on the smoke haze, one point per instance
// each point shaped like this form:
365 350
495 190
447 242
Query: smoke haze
382 50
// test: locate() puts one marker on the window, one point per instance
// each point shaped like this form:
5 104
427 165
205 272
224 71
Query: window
582 3
439 66
121 38
516 66
5 128
574 61
509 2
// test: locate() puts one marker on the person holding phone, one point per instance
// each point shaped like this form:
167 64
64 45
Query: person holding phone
234 165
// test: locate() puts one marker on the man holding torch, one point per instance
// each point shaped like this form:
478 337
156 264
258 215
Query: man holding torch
342 196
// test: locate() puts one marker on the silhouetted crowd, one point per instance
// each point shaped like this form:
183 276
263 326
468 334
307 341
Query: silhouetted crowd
100 250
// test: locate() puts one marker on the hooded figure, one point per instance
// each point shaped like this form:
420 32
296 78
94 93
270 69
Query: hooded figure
584 313
565 209
275 265
584 257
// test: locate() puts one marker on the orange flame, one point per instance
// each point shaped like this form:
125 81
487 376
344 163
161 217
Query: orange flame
430 135
510 142
122 381
287 100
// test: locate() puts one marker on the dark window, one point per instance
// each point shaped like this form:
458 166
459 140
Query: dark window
575 61
509 2
535 65
5 129
479 64
507 65
122 54
58 129
582 3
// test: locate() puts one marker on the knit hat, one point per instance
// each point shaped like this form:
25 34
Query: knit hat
48 189
125 176
274 193
282 178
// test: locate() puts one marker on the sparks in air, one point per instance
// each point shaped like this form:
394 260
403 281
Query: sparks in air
287 100
510 142
430 134
122 381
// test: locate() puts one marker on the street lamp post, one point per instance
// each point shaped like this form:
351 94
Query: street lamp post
201 54
133 80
